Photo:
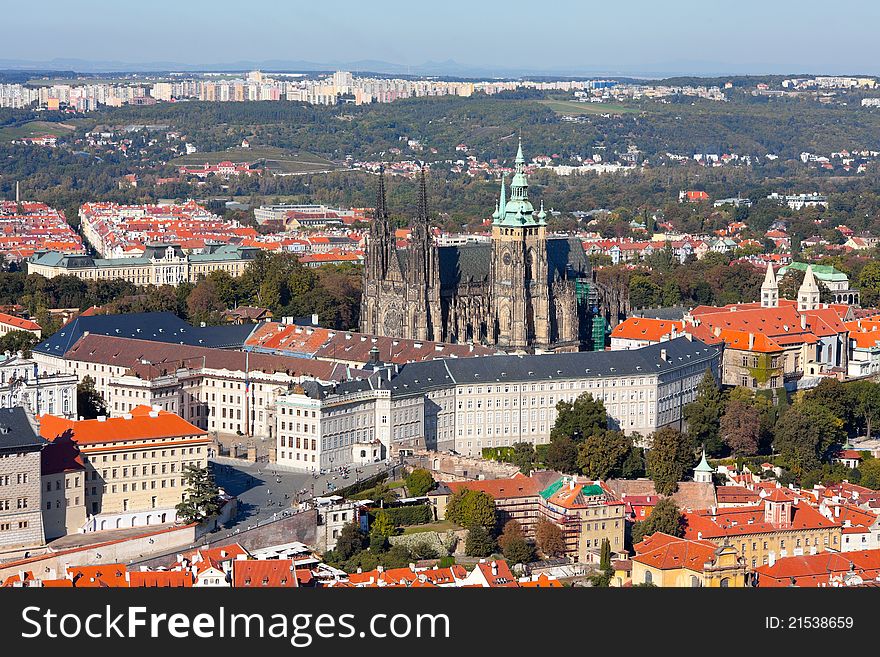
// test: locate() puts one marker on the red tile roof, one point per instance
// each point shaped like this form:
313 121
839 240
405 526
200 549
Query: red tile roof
248 573
141 426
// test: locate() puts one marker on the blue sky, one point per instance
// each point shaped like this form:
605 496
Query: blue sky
635 36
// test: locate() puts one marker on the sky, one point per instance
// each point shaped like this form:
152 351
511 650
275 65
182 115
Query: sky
626 36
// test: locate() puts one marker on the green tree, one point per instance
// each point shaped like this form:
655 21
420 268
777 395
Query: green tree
866 407
204 305
605 555
665 517
669 459
201 499
523 457
562 455
471 507
579 419
806 435
703 415
419 482
16 341
350 541
602 455
383 525
870 471
549 538
479 542
89 402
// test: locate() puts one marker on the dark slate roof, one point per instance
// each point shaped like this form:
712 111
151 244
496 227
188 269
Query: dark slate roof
671 313
17 432
459 264
376 381
419 377
566 255
157 327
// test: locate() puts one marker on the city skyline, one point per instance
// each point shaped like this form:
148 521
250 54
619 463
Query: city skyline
598 39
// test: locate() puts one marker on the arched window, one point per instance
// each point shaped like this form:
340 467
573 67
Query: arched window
695 582
725 583
649 578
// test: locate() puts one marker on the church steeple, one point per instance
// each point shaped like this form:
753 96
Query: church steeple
381 243
518 211
808 294
770 289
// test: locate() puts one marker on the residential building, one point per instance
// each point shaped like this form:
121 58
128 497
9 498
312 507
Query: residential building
23 383
160 264
21 521
821 570
782 525
134 464
666 561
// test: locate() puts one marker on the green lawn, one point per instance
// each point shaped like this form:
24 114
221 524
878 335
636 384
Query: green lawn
277 159
35 129
574 108
439 526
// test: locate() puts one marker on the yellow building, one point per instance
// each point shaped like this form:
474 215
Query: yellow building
667 561
134 464
781 525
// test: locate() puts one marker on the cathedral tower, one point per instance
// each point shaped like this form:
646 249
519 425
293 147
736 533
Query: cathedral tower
519 295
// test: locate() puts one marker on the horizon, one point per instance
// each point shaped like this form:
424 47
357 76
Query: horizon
406 39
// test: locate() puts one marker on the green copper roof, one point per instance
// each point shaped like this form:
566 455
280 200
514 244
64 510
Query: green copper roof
822 272
704 465
518 211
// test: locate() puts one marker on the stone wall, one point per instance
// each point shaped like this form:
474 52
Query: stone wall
451 467
123 551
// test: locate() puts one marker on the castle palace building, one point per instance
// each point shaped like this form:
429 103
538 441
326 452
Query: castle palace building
522 291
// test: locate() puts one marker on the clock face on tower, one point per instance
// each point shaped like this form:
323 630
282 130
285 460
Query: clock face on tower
506 259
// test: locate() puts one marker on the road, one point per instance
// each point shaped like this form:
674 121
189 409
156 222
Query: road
264 490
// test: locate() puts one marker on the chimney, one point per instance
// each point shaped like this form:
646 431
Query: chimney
663 354
494 569
751 341
102 418
837 512
803 322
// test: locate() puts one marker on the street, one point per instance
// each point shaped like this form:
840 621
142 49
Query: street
264 490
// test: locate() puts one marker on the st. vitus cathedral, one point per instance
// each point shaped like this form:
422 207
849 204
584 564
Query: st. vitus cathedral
522 291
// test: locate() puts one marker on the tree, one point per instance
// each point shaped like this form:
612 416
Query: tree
634 464
201 499
665 517
670 457
16 341
418 482
350 541
703 415
741 428
383 525
513 543
479 542
870 470
471 507
605 555
203 304
602 455
562 454
523 457
866 395
89 402
549 538
807 435
837 397
579 419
